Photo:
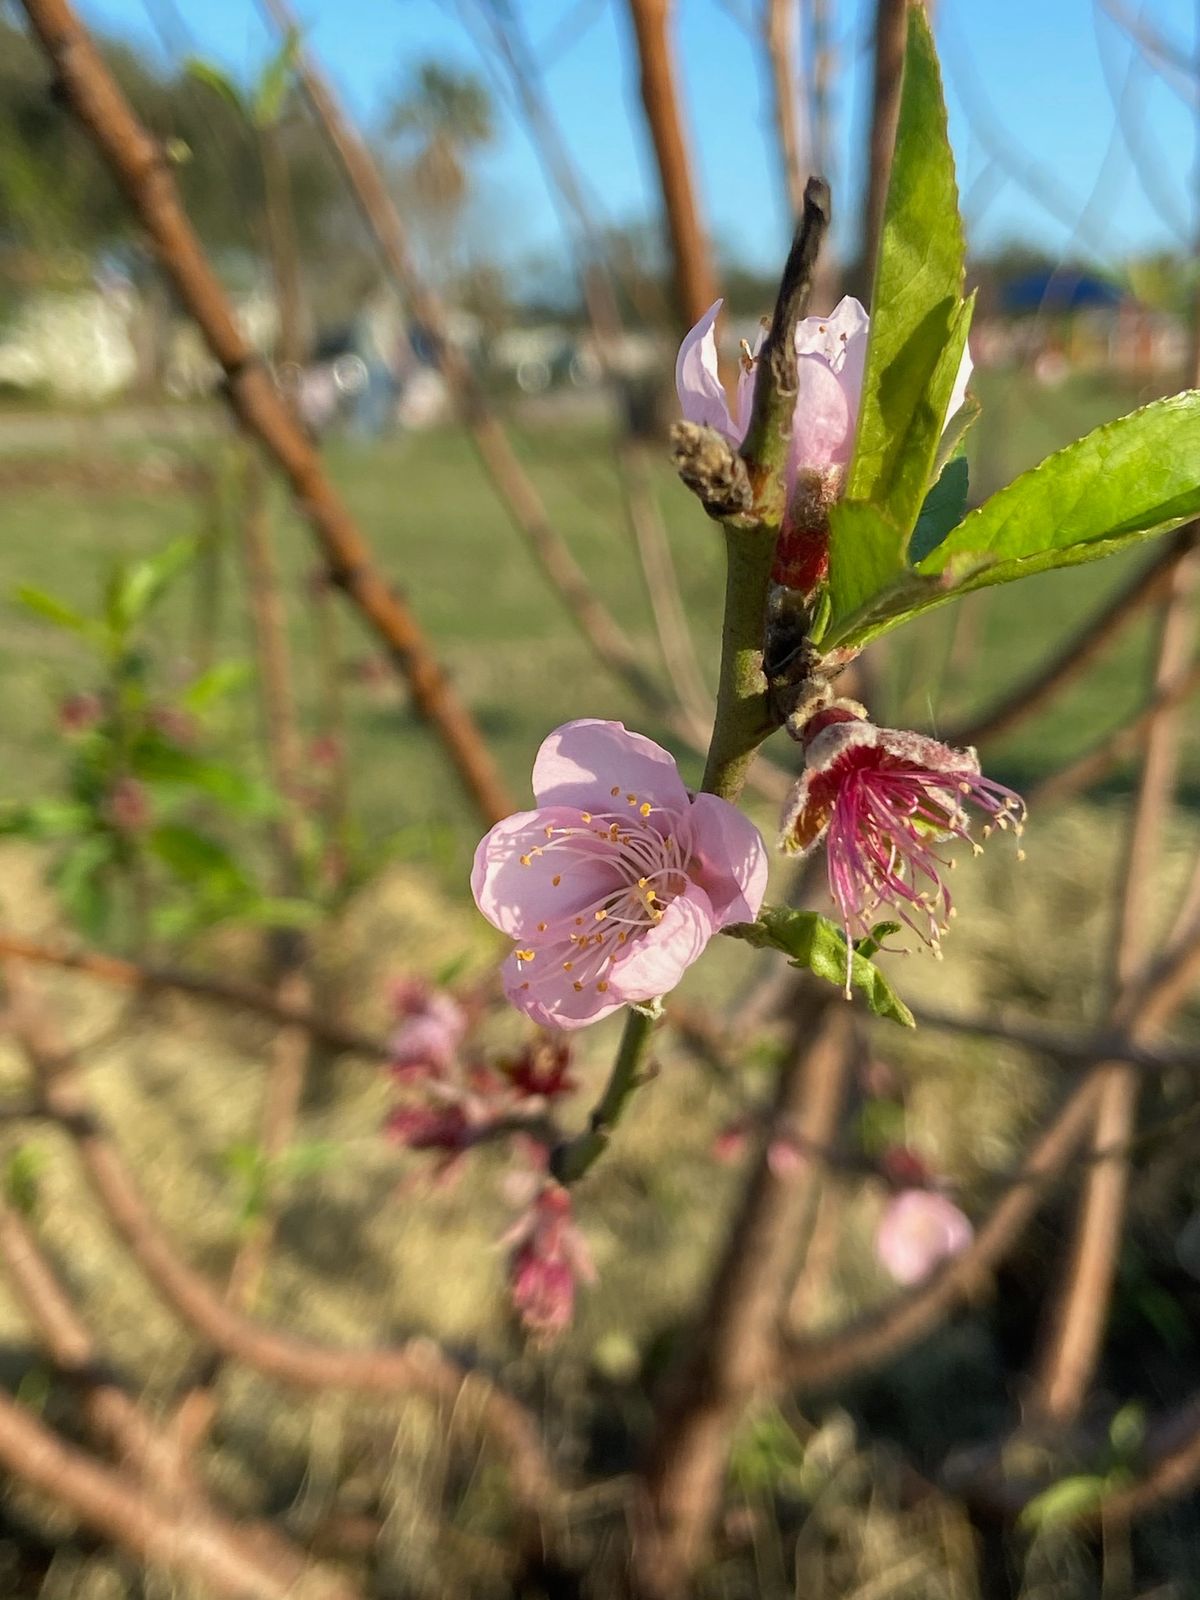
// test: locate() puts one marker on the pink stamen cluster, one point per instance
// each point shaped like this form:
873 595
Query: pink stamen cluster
886 803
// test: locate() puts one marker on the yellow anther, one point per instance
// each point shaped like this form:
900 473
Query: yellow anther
642 882
602 987
542 926
585 816
524 955
600 915
577 986
631 797
526 861
622 937
567 966
645 808
556 880
1020 855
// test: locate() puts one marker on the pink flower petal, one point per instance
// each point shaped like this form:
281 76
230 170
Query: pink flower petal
747 379
701 395
545 990
515 898
655 961
581 763
823 429
731 860
919 1230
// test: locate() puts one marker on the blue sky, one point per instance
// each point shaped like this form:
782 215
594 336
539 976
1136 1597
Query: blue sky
1037 81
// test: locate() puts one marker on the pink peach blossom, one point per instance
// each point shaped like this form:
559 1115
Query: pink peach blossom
883 801
919 1229
549 1259
615 883
832 356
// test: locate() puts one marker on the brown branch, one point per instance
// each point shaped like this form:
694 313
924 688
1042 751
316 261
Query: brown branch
1070 661
733 1355
416 1367
1114 747
884 1335
120 1424
891 25
148 979
691 257
780 23
136 161
1079 1312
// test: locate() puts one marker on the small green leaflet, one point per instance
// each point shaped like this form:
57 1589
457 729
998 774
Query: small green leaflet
818 945
1124 481
919 328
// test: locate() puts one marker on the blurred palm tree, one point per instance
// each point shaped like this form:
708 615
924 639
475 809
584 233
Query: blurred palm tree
440 120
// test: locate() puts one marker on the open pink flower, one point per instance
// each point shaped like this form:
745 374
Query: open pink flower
884 801
832 357
549 1259
613 886
919 1229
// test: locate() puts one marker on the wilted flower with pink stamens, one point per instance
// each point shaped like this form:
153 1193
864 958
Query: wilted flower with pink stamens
550 1258
613 886
430 1030
919 1230
884 802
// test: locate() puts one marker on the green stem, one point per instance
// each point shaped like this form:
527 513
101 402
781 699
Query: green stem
743 718
571 1160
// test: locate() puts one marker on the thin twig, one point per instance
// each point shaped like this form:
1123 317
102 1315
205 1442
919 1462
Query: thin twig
732 1355
415 1367
1079 1312
139 166
1070 661
146 979
123 1426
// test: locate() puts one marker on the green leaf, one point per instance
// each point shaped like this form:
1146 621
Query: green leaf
52 609
47 819
227 677
156 762
874 941
275 81
79 879
212 77
134 589
1127 1431
944 508
1125 481
1063 1502
196 858
919 328
813 942
25 1167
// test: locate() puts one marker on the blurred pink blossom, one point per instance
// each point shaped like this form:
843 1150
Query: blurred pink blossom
431 1027
549 1259
78 713
919 1229
613 886
127 806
